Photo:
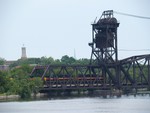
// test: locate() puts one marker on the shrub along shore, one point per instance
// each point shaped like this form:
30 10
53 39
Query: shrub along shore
16 80
17 83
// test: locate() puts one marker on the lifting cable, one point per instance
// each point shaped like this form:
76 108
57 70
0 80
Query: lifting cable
136 16
134 49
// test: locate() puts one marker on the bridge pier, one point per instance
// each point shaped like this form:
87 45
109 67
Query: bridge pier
90 91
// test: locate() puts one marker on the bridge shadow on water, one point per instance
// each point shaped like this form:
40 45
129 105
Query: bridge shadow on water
86 94
103 94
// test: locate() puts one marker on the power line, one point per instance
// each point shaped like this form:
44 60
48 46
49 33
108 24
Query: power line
134 49
136 16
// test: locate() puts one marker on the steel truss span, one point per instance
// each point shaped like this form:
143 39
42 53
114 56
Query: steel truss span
104 71
132 72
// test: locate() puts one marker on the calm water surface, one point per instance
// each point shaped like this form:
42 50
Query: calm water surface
123 104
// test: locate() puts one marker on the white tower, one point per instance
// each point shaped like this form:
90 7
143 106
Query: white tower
23 56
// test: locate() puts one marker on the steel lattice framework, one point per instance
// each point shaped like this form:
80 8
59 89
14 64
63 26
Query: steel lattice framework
104 39
105 71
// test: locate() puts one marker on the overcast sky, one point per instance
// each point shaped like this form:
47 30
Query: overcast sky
58 27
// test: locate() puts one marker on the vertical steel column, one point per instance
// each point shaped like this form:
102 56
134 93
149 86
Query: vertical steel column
116 45
118 75
148 71
134 74
92 44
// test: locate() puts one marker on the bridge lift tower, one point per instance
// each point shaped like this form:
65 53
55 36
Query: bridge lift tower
133 71
104 39
104 47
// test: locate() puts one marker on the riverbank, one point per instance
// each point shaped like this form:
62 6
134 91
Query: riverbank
64 94
5 97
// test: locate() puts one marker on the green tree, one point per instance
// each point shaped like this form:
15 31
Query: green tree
67 60
24 90
83 61
2 61
34 61
22 84
13 86
57 61
47 61
3 82
35 85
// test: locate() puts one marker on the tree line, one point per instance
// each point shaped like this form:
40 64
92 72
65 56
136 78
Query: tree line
17 79
51 61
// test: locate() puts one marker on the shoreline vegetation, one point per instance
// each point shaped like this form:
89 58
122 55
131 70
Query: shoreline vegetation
17 81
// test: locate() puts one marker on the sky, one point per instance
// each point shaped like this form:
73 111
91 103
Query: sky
54 28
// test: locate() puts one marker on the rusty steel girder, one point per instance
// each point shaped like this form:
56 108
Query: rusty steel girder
105 71
133 72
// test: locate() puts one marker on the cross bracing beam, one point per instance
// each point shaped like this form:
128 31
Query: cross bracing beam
131 72
135 71
72 76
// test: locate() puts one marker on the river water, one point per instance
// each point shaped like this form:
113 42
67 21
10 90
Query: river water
123 104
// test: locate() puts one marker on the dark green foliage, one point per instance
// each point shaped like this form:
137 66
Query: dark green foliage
25 62
3 82
2 61
25 91
25 83
83 61
18 81
67 60
47 61
50 61
13 86
35 85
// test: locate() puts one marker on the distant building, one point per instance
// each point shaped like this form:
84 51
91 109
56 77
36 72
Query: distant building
23 56
4 67
9 62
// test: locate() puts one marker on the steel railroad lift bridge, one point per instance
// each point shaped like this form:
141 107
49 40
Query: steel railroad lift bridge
104 71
